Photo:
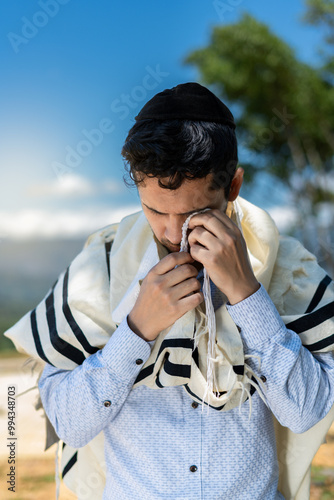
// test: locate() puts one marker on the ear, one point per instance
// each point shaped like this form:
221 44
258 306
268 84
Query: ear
236 184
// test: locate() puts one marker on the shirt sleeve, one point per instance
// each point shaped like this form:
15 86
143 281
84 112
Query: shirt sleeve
81 402
298 386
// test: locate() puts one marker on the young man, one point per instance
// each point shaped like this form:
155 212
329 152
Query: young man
128 338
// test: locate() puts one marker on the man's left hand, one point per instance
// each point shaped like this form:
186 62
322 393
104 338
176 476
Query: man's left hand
217 243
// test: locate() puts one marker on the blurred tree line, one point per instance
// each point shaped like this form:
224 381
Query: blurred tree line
285 114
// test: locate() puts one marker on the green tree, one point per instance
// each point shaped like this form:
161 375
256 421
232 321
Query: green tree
320 13
284 111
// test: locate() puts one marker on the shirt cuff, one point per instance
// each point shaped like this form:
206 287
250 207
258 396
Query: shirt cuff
125 352
257 318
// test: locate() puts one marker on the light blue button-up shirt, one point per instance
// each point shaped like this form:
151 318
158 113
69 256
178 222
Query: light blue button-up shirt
160 445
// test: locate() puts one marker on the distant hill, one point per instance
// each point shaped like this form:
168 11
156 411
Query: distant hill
27 271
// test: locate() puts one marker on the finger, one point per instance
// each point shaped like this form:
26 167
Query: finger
202 236
180 274
212 221
200 254
185 288
170 261
190 302
207 230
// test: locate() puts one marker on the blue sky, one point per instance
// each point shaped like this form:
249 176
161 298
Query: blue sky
70 67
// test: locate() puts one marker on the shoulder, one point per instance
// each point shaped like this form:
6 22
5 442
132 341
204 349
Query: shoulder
107 234
296 276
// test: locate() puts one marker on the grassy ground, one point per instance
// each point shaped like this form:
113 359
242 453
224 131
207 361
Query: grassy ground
322 483
323 470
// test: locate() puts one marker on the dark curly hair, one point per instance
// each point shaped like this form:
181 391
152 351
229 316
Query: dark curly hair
180 149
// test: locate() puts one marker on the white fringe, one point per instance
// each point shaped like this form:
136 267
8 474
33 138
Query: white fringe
211 382
210 323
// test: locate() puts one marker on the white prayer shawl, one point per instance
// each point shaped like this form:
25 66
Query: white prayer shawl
92 297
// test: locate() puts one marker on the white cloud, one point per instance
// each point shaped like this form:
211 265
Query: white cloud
25 224
74 186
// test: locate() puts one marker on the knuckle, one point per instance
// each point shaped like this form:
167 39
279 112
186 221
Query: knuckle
189 269
173 309
173 258
194 283
165 292
196 299
158 285
199 297
149 278
215 260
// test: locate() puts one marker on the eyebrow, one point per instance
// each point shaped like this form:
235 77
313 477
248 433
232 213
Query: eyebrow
184 213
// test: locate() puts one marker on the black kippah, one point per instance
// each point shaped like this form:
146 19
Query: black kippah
187 101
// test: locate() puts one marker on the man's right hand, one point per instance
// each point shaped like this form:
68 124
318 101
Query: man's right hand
166 294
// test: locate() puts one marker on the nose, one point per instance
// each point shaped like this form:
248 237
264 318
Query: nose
173 231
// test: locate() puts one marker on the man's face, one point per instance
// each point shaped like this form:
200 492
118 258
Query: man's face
166 209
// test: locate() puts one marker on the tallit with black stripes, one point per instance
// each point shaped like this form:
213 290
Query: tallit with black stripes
93 295
99 288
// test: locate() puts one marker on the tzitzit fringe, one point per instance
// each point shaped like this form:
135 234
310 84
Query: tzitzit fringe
211 382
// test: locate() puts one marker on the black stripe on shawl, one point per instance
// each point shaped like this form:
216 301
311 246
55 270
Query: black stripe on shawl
251 391
318 294
239 369
145 372
313 319
158 383
148 370
107 247
176 370
185 343
252 388
80 336
195 356
58 343
37 340
199 399
70 464
321 344
64 444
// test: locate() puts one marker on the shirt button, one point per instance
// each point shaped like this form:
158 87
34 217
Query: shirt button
139 361
107 403
194 404
193 468
263 378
